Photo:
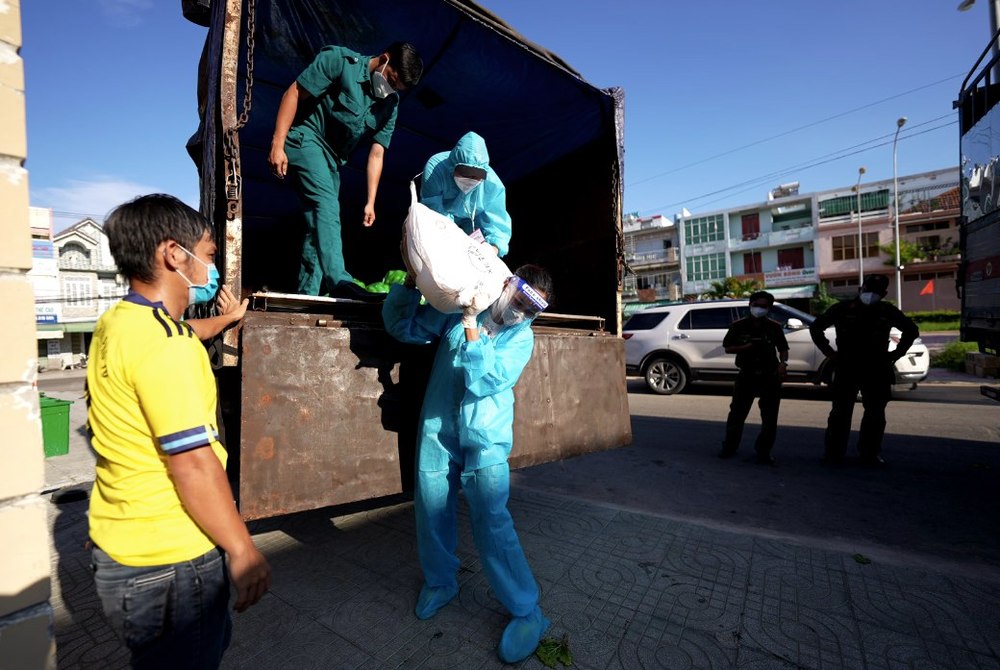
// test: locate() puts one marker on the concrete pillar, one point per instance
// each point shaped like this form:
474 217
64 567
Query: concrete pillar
26 639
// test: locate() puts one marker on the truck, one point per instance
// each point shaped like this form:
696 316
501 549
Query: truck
319 405
978 281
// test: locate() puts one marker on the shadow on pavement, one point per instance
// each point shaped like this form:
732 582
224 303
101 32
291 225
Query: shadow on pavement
936 495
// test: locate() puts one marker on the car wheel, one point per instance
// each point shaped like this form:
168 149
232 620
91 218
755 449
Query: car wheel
665 376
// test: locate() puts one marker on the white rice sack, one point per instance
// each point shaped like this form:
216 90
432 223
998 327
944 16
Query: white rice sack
453 271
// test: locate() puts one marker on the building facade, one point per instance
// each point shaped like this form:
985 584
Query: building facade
771 242
793 243
651 251
75 280
849 246
26 639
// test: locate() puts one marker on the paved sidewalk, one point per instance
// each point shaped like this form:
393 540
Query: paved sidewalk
630 590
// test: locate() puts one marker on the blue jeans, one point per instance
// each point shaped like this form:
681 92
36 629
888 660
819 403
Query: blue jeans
169 616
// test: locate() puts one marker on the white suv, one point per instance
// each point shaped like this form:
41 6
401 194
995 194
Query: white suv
676 344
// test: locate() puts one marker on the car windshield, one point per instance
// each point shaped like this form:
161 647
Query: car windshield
781 313
805 318
644 320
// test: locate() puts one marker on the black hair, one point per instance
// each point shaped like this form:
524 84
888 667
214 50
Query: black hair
539 278
876 283
757 295
136 228
407 63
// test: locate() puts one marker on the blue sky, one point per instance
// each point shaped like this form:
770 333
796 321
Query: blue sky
717 94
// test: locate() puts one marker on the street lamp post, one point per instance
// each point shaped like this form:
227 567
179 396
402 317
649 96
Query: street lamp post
861 259
900 122
966 5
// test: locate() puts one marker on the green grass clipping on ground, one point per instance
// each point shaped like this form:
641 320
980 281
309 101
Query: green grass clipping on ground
552 651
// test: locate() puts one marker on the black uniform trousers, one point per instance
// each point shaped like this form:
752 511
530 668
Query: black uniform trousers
874 381
750 385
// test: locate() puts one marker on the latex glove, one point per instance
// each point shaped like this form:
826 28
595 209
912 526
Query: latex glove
469 319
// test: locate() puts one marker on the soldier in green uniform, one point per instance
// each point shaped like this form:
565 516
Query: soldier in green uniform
340 99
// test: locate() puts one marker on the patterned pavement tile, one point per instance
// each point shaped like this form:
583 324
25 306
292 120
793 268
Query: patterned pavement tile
803 637
928 609
595 626
675 648
981 601
704 558
891 650
272 624
550 559
630 591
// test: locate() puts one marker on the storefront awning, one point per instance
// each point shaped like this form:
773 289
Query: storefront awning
79 327
49 332
786 292
54 331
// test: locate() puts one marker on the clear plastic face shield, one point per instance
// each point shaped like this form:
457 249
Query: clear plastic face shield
518 303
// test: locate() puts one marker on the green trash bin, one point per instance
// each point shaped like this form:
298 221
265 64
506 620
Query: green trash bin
55 425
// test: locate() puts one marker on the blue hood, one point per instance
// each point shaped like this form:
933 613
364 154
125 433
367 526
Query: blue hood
471 151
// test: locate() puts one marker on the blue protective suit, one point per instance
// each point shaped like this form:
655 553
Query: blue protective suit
485 207
466 434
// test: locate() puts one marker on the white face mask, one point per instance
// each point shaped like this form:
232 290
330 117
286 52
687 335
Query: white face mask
466 184
869 298
758 312
380 85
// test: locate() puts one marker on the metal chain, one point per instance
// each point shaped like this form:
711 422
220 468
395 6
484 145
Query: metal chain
230 152
248 93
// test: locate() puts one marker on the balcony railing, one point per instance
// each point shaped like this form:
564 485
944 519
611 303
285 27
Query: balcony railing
632 294
635 225
653 257
86 266
775 238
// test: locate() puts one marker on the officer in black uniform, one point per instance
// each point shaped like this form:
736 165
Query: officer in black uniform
762 357
863 363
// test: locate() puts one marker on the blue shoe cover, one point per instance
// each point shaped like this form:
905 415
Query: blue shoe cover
433 598
521 636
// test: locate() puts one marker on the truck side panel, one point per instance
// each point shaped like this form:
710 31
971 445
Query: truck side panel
330 408
979 273
324 408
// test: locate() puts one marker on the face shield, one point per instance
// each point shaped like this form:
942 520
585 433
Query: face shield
518 302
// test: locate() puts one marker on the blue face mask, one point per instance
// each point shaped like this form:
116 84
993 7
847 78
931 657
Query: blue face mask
199 294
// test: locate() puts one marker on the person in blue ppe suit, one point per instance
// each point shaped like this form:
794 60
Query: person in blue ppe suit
466 435
341 99
461 185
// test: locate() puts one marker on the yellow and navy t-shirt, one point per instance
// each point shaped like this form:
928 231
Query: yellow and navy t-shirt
151 394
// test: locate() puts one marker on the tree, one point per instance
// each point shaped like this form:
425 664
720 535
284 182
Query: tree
821 300
910 252
731 287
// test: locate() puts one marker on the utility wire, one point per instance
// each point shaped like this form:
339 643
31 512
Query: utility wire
822 160
763 181
789 132
758 181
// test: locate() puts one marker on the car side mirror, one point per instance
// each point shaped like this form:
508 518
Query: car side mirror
794 324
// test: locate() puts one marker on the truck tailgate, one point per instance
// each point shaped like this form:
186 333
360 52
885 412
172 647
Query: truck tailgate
329 407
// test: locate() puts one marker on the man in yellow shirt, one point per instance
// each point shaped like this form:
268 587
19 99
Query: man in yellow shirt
162 516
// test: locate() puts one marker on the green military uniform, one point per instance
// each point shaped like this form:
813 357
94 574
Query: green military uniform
343 112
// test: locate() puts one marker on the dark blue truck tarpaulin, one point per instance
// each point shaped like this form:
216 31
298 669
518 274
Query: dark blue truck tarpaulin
554 139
